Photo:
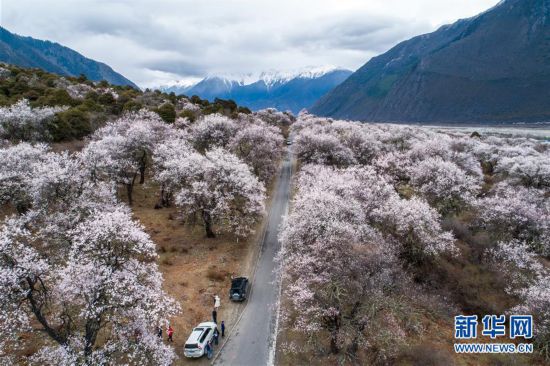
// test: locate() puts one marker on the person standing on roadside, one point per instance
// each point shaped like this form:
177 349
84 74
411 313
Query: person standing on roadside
216 336
170 333
215 316
159 332
223 328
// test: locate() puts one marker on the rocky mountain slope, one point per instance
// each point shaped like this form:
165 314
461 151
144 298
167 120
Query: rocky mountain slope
494 67
55 58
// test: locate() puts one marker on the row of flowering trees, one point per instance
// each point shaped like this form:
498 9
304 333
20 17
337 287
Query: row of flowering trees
77 272
74 266
342 245
214 170
369 208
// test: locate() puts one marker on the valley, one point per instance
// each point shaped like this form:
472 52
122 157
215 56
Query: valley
229 197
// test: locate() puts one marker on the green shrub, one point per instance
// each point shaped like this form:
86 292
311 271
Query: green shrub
195 99
20 86
132 105
4 101
188 114
213 109
106 99
89 105
32 95
167 112
92 95
50 80
60 129
72 123
56 97
228 105
245 110
172 97
98 106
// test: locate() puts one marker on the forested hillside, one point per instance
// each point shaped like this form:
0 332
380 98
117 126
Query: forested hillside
53 57
39 106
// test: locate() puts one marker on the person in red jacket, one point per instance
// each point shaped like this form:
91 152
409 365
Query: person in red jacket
170 333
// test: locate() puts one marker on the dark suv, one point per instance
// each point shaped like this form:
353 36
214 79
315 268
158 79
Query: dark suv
239 287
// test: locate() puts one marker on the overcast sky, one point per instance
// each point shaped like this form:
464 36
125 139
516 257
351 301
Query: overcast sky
156 42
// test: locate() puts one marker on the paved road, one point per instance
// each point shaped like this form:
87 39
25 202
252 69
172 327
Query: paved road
252 341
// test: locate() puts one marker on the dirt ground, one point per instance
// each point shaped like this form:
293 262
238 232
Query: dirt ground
195 268
433 347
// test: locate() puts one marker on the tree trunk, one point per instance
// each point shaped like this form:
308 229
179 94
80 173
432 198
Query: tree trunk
164 198
92 328
142 168
208 224
129 189
37 310
141 174
354 346
334 331
334 343
358 327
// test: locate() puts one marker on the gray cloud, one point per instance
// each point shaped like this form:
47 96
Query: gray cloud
174 66
157 42
357 32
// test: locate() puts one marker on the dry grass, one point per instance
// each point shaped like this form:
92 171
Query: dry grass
195 268
215 274
167 261
70 146
433 347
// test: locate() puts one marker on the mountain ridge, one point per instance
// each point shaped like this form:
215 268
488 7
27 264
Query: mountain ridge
54 57
488 68
293 90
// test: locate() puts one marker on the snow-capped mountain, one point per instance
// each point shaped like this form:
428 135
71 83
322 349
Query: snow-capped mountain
271 78
288 90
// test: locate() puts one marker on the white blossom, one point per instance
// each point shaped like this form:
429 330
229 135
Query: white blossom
21 122
261 147
213 130
220 190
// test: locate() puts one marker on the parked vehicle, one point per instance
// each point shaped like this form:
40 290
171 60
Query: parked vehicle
239 289
288 141
202 334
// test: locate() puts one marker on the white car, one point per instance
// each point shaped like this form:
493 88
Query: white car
200 336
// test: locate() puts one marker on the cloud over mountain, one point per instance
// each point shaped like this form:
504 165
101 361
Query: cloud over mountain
211 37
